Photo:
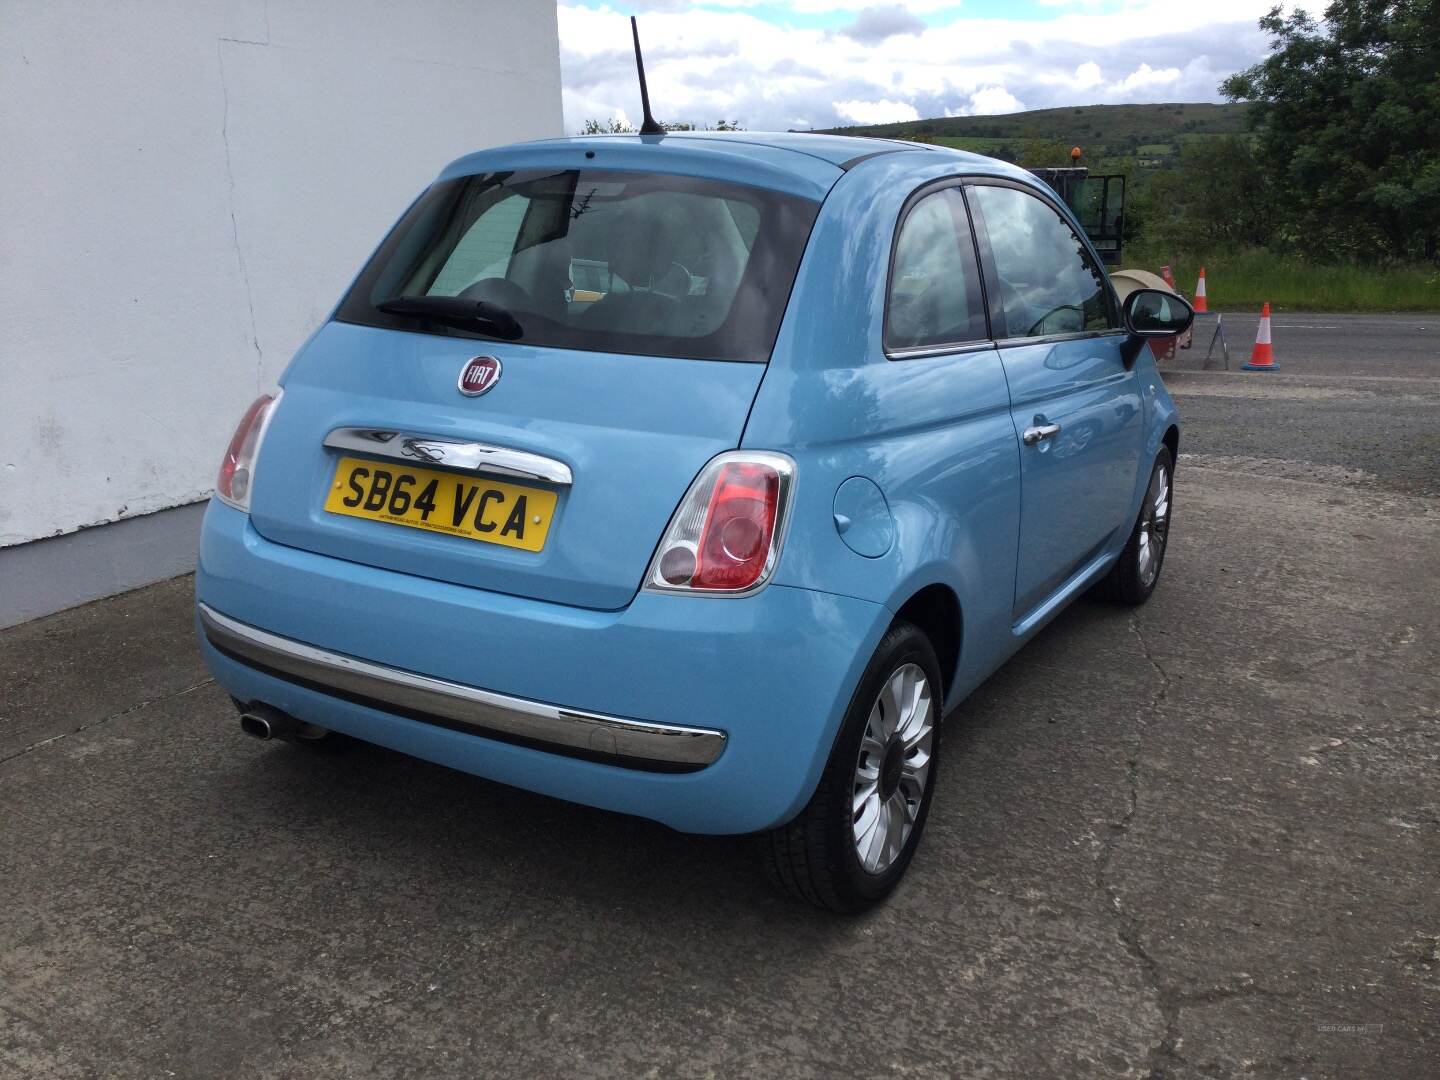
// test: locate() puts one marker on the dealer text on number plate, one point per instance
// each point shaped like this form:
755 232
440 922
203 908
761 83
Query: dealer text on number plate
480 509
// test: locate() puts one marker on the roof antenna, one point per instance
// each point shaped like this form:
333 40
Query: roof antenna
648 126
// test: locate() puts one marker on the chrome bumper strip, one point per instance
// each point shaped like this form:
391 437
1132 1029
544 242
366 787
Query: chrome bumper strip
593 735
467 456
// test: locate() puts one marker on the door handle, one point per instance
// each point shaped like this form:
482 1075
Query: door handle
1039 433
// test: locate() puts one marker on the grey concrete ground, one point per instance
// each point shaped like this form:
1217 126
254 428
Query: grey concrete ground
1197 840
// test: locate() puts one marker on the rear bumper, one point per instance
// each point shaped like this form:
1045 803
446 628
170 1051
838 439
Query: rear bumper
745 695
613 739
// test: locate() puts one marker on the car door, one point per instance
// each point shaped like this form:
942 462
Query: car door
947 407
1074 399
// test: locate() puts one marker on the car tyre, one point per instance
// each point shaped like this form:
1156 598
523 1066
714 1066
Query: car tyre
880 776
1136 573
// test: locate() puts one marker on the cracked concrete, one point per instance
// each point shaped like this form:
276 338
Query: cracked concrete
86 726
1327 718
1196 840
1129 931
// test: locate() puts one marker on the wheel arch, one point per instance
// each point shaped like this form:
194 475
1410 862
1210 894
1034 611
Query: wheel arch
935 611
1171 439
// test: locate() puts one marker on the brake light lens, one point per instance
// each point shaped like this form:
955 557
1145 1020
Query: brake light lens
237 469
725 538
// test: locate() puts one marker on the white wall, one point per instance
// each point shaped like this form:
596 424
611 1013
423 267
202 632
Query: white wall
185 189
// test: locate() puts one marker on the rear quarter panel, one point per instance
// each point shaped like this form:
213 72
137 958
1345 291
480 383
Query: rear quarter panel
935 434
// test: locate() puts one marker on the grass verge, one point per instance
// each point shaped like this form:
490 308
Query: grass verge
1243 280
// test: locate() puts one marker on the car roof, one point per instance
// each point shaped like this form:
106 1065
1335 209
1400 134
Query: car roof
800 162
842 151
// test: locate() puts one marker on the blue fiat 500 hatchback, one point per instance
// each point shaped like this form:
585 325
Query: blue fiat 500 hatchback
694 477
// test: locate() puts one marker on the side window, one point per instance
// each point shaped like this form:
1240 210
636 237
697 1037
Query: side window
1048 282
934 294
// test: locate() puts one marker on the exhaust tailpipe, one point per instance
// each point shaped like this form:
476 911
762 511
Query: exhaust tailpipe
255 725
262 721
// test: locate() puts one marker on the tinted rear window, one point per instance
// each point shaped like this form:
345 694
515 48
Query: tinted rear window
624 262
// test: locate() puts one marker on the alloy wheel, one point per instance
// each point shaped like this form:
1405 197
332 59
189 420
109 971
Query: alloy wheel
893 768
1154 525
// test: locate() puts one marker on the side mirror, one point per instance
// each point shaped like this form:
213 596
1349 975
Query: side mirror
1153 313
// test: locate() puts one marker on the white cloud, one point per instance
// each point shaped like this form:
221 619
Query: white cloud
877 112
822 7
1088 75
994 99
710 63
1145 75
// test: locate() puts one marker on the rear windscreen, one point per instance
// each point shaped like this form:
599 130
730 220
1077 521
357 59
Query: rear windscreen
647 263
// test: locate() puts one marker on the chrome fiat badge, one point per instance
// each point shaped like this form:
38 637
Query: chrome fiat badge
479 375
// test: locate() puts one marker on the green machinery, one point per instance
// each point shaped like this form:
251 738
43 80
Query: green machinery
1099 203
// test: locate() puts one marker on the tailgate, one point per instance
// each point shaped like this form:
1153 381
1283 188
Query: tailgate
632 431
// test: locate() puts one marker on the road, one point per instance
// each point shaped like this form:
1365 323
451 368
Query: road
1401 345
1354 399
1196 840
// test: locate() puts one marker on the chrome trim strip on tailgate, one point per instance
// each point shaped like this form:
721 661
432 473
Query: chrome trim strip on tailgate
594 734
452 454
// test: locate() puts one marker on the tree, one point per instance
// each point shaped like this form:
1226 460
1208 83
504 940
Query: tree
1216 196
615 126
1347 111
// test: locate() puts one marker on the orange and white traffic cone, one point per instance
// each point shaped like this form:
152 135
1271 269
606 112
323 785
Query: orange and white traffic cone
1262 357
1167 276
1200 304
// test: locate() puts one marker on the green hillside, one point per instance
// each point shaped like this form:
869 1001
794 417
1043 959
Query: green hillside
1139 124
1152 134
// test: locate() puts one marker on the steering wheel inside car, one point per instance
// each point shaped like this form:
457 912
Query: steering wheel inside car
1039 328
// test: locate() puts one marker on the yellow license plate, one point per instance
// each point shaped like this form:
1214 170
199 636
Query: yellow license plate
473 507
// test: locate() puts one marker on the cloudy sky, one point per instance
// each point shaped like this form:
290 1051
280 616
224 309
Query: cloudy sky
822 63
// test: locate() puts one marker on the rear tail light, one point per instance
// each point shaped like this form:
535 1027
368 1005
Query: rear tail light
725 538
237 470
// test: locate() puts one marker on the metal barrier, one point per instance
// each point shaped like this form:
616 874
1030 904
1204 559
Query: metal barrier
1218 335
